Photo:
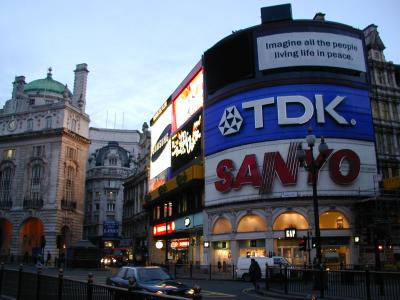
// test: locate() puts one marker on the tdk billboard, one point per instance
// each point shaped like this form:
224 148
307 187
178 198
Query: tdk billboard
286 112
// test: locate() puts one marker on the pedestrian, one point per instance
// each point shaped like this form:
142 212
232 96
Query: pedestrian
219 266
48 259
255 273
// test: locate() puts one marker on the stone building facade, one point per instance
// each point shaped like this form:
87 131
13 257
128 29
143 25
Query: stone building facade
112 158
135 221
43 150
377 220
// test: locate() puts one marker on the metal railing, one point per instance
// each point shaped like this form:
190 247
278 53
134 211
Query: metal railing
33 203
350 284
21 285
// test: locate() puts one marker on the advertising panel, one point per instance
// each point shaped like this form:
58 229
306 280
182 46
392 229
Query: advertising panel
286 112
110 228
164 228
297 49
186 143
189 101
271 170
160 148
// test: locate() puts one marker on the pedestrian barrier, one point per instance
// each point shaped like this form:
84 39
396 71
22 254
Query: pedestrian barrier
21 285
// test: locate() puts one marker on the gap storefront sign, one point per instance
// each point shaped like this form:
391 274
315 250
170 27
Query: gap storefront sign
251 140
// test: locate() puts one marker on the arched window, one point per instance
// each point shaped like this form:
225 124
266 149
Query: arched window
73 125
333 220
69 185
222 225
290 220
48 122
250 223
29 125
5 184
36 180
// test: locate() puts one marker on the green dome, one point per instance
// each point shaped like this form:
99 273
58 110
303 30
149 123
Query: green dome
46 84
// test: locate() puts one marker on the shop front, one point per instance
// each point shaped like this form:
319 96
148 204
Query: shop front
252 248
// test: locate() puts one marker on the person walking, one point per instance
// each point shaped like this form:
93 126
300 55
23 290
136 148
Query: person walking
48 259
255 273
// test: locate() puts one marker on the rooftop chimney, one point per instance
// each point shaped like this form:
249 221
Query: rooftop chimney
319 17
80 83
275 13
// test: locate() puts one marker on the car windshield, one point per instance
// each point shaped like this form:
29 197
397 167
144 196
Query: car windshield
152 274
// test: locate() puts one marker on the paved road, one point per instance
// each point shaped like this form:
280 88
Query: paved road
211 290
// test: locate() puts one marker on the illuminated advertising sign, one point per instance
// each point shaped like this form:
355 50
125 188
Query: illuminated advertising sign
286 112
189 101
297 49
271 170
160 156
180 244
110 228
163 228
186 143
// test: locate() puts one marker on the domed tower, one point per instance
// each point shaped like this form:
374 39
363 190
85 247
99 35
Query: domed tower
44 139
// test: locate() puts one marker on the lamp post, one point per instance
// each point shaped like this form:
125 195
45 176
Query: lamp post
313 167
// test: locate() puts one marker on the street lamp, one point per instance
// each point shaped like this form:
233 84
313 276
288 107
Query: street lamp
313 167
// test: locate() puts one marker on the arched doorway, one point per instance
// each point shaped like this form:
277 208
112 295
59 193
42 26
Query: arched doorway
5 237
338 250
31 236
288 246
222 248
250 225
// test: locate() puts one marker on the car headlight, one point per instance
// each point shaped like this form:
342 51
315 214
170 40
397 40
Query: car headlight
102 260
114 260
160 292
190 292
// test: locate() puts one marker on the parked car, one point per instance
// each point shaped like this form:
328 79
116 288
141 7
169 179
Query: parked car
154 280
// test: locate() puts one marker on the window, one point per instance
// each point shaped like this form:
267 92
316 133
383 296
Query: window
169 209
69 184
158 212
5 184
9 154
97 196
182 204
29 125
31 101
395 112
165 210
389 141
113 161
71 153
48 122
97 205
111 195
38 151
110 206
375 110
36 178
385 111
73 125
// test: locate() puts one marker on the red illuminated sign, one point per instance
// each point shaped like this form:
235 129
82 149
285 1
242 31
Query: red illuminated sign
274 164
164 228
180 244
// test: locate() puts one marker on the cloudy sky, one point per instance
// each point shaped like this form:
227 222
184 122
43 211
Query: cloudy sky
139 51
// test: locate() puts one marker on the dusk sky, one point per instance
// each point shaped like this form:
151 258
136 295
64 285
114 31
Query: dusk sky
139 51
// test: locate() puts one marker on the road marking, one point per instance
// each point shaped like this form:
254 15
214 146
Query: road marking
207 294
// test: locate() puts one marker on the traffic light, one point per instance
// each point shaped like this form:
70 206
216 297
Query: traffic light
303 244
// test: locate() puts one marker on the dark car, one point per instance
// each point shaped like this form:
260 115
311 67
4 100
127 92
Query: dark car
154 280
